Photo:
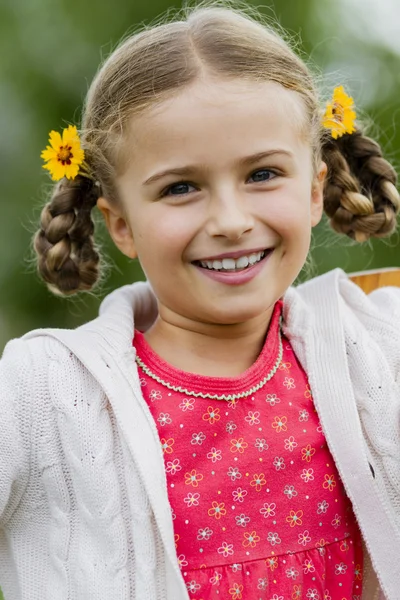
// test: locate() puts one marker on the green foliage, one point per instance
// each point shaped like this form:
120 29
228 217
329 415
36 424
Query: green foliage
50 50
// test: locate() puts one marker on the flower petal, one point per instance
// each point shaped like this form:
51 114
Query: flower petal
55 140
70 135
340 96
57 171
71 171
49 154
78 156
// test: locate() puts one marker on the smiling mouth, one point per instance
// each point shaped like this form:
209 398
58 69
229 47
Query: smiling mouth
227 265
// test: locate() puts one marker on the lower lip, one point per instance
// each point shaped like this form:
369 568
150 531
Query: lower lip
235 277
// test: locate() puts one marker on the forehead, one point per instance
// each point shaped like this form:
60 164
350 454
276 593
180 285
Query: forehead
215 119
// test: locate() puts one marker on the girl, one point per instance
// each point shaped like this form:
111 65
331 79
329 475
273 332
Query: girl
215 433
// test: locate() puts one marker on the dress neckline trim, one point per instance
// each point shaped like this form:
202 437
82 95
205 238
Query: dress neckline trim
216 388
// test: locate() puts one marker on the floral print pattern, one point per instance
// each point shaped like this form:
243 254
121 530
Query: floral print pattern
259 510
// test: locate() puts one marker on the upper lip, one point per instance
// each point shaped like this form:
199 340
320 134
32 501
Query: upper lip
235 255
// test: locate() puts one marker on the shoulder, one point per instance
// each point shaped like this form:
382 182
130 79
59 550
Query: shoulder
26 362
24 374
40 374
378 312
34 349
332 299
381 320
386 300
21 358
335 288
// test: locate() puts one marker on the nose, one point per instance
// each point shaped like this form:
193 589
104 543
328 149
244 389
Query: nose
229 215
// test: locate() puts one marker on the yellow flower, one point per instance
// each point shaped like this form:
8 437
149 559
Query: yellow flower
217 510
307 453
250 539
166 445
295 518
212 415
64 156
339 115
236 592
272 562
193 478
258 481
329 482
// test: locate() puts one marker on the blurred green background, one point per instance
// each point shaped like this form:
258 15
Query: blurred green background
49 52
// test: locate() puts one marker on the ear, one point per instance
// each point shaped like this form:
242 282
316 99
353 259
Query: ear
317 195
118 227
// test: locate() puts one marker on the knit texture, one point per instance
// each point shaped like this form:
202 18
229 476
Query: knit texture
84 511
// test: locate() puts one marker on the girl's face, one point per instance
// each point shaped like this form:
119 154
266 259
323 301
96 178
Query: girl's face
219 176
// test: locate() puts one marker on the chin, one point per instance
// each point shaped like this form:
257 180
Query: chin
226 315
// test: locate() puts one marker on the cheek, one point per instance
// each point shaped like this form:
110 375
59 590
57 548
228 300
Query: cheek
290 212
291 220
161 235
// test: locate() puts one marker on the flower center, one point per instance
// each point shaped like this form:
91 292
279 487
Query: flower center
65 155
338 112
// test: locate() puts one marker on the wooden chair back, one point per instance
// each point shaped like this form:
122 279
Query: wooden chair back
371 280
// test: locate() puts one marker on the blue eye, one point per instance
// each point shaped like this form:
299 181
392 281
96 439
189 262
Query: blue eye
178 189
182 188
262 175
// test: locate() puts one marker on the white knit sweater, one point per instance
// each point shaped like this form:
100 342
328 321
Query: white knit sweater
84 512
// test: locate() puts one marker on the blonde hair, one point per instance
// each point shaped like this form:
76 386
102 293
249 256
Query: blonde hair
360 195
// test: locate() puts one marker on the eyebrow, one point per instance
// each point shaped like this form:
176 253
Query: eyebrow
247 160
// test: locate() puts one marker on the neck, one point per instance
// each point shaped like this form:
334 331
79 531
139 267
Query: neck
208 349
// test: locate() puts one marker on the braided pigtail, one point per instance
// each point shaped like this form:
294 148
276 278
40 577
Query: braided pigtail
360 193
67 258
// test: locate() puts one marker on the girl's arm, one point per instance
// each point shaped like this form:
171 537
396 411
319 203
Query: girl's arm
16 395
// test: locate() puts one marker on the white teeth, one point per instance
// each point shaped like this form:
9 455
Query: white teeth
242 262
216 264
229 264
253 259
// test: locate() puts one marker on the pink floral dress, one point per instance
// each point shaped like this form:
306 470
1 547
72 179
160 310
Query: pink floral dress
259 509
